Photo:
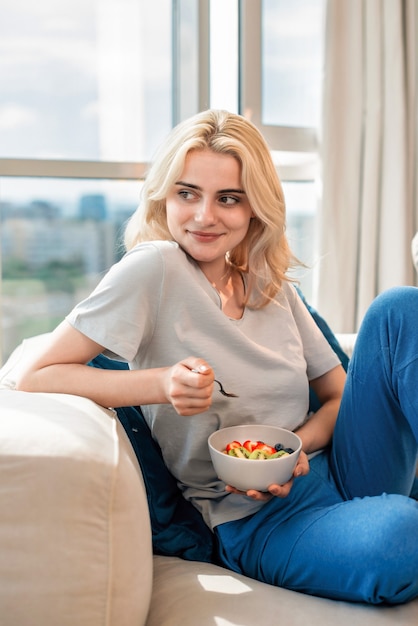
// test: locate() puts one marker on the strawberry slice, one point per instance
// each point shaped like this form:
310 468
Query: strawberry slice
250 445
264 447
232 444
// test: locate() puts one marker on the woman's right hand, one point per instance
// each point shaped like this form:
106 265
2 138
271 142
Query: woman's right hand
188 386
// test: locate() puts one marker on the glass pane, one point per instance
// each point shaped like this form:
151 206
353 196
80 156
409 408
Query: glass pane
84 79
57 238
186 88
292 53
301 203
224 55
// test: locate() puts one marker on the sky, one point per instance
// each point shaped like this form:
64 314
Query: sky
82 80
91 80
73 75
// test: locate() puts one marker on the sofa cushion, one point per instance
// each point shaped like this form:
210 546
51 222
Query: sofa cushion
75 537
200 594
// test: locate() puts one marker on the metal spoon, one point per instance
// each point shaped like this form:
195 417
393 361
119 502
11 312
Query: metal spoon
225 393
221 389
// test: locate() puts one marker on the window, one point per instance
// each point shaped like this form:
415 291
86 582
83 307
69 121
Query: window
281 58
84 79
89 88
85 97
291 63
58 237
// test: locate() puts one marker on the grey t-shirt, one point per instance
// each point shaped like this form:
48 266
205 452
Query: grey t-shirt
154 308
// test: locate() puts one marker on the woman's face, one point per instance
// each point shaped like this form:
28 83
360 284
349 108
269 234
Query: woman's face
208 212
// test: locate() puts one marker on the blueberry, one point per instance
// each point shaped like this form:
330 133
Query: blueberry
278 447
289 450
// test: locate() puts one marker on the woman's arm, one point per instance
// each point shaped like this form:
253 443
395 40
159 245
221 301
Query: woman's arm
61 368
317 432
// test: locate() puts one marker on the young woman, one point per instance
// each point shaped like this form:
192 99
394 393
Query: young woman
203 292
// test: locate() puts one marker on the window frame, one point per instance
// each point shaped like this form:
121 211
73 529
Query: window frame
290 139
51 168
303 140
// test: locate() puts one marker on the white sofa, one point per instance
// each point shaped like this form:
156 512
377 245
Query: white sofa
75 536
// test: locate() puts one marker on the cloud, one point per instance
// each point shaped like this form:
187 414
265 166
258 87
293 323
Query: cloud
15 116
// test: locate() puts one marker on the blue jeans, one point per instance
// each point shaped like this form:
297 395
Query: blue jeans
349 530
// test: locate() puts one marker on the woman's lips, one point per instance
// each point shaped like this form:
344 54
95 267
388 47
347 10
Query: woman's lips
204 237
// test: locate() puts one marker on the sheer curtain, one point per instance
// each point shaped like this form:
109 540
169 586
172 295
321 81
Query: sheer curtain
369 142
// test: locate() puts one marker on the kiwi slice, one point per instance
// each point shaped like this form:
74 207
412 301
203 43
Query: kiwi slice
278 454
258 455
240 453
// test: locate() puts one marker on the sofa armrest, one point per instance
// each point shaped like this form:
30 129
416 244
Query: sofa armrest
19 358
75 535
347 342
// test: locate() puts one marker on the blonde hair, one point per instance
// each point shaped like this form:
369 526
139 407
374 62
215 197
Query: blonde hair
264 254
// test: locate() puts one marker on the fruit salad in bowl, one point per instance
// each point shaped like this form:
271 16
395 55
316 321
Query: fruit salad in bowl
254 456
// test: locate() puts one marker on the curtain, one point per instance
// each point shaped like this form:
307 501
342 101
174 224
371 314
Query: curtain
368 214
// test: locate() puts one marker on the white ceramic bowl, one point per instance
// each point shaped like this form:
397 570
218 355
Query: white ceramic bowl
247 474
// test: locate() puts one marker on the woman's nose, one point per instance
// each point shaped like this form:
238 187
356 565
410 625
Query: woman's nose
205 213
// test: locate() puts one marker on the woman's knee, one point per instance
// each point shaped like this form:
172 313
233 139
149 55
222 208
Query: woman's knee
394 304
389 328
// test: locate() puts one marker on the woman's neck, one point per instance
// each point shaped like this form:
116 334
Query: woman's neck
218 275
231 290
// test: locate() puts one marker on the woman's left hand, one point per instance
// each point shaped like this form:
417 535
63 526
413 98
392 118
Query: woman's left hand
280 491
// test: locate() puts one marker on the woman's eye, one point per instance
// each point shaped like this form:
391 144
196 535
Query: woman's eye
228 200
185 194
